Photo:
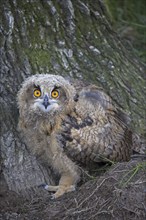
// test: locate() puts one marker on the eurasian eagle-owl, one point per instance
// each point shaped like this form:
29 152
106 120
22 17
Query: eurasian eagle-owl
71 128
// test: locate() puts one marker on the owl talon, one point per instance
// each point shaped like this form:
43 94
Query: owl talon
43 185
52 197
46 187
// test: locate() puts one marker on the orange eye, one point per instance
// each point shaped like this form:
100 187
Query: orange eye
37 93
55 94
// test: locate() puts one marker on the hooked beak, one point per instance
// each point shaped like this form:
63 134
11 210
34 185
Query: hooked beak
46 101
46 104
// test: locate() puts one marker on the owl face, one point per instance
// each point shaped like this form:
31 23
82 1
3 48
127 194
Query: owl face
46 94
47 99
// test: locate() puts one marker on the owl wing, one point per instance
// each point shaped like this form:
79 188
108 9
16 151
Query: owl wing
96 131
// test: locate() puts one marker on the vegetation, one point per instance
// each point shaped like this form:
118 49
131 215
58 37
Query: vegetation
129 20
131 173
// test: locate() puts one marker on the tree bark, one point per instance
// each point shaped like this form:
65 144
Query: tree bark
65 37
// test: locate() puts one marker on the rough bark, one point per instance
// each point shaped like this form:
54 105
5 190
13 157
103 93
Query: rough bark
66 37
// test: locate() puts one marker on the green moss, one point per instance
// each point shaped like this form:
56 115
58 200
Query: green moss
39 57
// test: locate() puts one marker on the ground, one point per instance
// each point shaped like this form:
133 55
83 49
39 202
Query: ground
117 194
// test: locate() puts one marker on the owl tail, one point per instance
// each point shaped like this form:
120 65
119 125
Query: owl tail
138 144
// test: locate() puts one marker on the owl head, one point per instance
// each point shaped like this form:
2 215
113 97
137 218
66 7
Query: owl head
45 95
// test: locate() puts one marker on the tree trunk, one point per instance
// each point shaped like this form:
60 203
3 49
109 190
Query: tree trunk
66 37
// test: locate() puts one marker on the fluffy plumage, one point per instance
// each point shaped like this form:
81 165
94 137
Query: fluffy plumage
67 128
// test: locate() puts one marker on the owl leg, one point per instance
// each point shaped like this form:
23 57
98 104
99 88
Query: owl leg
66 184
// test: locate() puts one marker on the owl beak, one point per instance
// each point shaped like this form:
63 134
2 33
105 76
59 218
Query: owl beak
46 101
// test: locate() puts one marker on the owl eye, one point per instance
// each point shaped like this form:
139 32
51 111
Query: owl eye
37 93
54 94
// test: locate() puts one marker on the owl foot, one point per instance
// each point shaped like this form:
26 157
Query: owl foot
63 189
60 190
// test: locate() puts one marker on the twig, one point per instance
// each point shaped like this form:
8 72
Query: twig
98 186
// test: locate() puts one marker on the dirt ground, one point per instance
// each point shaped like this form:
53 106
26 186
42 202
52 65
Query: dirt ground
118 194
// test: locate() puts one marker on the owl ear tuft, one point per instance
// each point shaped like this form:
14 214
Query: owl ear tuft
76 97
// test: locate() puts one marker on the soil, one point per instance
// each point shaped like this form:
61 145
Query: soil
118 194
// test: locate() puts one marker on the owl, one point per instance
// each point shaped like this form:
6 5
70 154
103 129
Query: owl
70 127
